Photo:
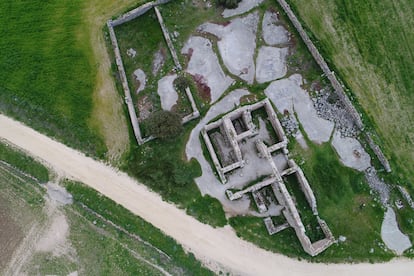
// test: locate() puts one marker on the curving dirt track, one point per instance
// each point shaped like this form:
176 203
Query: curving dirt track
215 247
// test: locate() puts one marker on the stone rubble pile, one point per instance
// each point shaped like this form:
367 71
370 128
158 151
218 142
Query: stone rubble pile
330 108
378 185
290 125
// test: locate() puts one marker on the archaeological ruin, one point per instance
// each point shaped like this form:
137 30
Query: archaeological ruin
242 145
227 141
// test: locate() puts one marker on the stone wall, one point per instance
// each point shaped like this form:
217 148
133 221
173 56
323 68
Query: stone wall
275 179
334 82
128 98
118 59
131 15
168 39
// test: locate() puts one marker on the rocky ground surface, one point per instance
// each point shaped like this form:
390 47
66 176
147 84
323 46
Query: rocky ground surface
272 32
290 98
329 107
166 91
237 44
205 65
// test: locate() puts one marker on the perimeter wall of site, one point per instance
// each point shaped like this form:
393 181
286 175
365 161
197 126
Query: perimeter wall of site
334 82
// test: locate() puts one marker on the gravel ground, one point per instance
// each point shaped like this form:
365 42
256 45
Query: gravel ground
330 108
289 97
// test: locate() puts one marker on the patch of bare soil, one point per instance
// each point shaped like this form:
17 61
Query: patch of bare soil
202 87
158 61
145 107
44 236
10 236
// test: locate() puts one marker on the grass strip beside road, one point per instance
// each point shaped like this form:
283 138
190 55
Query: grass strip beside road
134 224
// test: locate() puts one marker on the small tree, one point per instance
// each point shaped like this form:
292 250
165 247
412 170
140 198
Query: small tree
164 124
181 83
230 4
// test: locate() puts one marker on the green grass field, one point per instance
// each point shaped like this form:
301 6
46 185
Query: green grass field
47 78
370 45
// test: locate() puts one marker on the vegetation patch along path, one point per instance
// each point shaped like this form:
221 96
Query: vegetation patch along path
211 245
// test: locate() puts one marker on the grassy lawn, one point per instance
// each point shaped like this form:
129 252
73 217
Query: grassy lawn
144 35
23 162
370 45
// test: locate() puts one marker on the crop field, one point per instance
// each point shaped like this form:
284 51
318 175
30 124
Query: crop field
46 77
96 247
101 237
21 201
370 45
20 208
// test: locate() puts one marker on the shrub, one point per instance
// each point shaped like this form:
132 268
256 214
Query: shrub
230 4
181 83
164 124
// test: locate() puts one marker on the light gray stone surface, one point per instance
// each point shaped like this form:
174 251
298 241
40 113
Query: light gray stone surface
271 64
392 236
271 32
237 44
58 193
142 78
167 93
204 62
351 153
287 94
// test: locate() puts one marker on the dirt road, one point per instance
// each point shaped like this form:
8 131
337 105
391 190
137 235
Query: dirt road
213 246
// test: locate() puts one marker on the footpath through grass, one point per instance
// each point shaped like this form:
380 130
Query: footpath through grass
46 77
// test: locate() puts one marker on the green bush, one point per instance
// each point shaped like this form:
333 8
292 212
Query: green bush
181 83
164 124
230 4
